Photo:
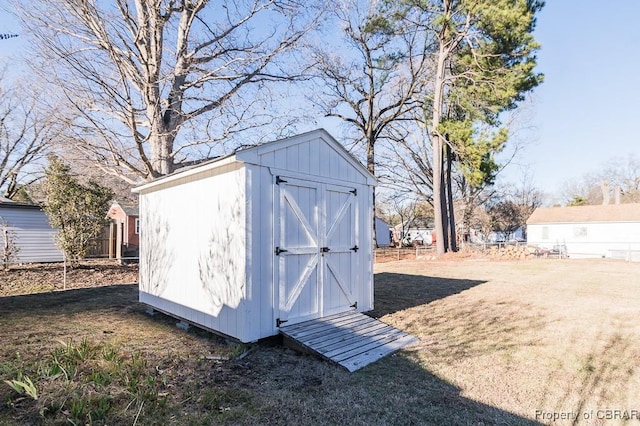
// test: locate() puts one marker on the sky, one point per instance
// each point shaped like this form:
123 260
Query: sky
586 112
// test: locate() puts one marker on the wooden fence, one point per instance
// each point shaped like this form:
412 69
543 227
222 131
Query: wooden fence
99 246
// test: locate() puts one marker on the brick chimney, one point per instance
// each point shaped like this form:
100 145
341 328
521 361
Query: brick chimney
605 193
617 195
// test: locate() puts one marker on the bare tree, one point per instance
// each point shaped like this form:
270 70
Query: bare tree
373 77
401 211
527 197
511 205
26 132
406 163
621 175
584 191
159 82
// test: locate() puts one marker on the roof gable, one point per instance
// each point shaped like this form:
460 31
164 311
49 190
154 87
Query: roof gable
271 154
116 210
307 146
586 214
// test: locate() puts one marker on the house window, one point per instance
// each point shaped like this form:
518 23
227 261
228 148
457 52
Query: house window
137 226
580 231
545 232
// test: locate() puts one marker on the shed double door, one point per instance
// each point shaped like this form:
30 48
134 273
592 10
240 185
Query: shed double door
316 247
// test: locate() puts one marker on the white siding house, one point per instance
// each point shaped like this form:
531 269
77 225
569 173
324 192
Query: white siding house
273 234
611 231
383 233
29 227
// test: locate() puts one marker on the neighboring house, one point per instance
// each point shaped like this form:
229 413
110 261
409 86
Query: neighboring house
124 231
32 234
272 234
418 231
500 237
383 233
611 231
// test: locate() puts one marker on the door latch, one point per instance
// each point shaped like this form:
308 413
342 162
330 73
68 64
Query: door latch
325 249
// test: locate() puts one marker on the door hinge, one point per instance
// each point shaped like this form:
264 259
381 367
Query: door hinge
354 192
355 305
325 249
279 322
280 250
355 248
279 180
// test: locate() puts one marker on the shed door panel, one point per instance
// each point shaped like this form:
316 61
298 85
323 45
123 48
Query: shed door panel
298 266
316 235
340 205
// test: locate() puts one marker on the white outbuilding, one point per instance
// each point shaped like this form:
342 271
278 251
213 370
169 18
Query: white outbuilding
274 234
611 231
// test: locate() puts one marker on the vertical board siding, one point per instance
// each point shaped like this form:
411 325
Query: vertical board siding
32 234
314 166
334 280
366 237
299 231
210 236
314 158
193 248
341 261
261 247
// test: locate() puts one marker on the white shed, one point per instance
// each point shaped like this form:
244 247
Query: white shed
611 231
273 234
32 234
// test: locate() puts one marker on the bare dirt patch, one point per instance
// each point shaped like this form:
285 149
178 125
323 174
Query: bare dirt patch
501 343
45 277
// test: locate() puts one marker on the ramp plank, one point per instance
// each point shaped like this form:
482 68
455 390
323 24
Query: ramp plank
349 339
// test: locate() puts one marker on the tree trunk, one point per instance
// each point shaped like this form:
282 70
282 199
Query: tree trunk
453 243
437 145
371 166
161 149
443 207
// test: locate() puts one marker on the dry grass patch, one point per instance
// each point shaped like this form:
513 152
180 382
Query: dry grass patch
499 340
541 336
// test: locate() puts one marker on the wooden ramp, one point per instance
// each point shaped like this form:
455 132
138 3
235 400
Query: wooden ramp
350 339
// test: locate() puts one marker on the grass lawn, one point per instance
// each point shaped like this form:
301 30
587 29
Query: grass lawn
500 343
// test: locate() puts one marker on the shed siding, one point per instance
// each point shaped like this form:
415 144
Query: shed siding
33 234
322 161
208 235
366 239
260 251
193 249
